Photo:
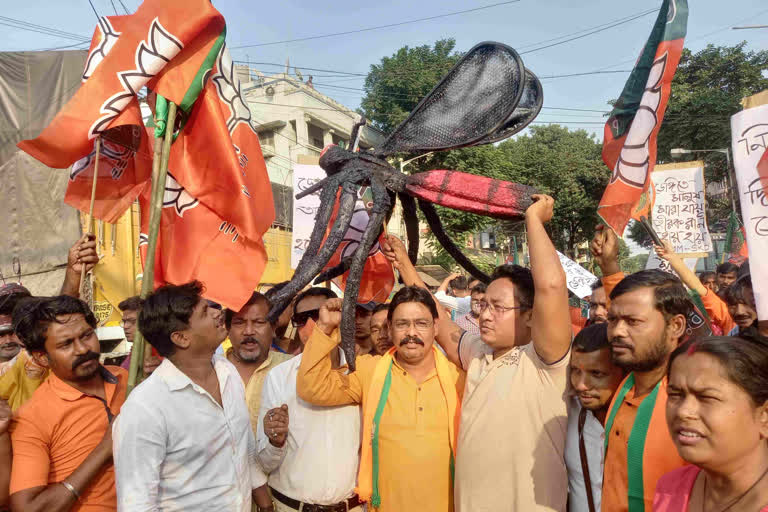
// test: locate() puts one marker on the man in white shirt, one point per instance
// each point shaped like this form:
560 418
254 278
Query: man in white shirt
183 440
453 294
311 458
594 380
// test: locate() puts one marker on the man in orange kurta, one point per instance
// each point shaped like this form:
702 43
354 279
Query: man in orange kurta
410 397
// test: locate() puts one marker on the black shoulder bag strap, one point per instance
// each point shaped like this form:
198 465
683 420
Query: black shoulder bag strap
584 462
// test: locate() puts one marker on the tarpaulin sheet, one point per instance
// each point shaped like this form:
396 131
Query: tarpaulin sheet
37 227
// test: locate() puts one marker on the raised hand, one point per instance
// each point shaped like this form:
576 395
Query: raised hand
665 251
330 316
542 209
605 249
83 252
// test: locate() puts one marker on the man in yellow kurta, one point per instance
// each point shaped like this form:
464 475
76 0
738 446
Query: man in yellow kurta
410 397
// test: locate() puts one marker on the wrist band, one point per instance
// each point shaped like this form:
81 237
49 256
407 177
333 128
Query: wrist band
71 488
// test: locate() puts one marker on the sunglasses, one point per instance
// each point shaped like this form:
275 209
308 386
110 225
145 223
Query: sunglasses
301 319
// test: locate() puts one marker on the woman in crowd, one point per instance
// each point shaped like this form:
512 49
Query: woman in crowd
717 413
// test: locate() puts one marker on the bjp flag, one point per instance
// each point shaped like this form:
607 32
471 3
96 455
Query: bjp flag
195 243
629 141
129 52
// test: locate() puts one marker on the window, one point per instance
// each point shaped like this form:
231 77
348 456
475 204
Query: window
267 139
315 135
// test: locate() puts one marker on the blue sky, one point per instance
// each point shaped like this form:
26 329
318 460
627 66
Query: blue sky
520 25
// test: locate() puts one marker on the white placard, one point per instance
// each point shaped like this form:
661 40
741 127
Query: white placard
578 279
304 209
654 262
679 209
749 136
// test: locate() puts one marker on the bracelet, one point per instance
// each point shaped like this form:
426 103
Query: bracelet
71 488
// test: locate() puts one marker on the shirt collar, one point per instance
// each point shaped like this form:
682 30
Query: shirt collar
175 379
69 393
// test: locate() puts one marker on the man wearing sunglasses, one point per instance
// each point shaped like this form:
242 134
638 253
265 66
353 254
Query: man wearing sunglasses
62 437
310 452
306 307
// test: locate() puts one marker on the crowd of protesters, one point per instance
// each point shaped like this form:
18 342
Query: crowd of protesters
479 397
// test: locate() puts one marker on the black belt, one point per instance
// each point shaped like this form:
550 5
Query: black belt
343 506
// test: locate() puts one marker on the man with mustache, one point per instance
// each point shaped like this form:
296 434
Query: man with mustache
410 401
511 442
311 453
9 343
62 436
251 335
647 319
185 440
594 379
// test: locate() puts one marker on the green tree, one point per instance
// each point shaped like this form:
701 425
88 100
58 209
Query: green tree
395 85
706 91
568 166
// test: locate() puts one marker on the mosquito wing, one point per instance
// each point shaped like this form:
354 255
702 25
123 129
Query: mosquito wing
474 100
526 111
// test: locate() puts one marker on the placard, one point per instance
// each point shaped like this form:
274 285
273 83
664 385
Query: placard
654 262
749 136
304 209
578 279
679 208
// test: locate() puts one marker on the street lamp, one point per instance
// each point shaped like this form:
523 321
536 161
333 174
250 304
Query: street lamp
748 27
679 152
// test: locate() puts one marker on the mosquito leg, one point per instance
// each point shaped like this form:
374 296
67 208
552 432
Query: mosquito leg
372 229
437 229
411 225
316 261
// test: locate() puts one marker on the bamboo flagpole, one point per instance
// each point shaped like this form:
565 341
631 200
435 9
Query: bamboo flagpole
162 153
88 227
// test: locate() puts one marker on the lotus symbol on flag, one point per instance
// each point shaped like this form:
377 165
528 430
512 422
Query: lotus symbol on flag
632 167
176 197
108 37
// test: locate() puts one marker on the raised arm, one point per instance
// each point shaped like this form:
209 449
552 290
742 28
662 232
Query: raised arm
605 252
83 252
448 333
714 305
551 329
31 465
317 382
689 279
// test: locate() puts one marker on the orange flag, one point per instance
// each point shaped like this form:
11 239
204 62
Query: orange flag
629 142
128 53
195 243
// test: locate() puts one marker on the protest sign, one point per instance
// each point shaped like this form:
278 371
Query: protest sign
749 133
654 262
679 208
305 174
578 279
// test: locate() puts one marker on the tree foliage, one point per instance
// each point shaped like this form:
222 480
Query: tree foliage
395 85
